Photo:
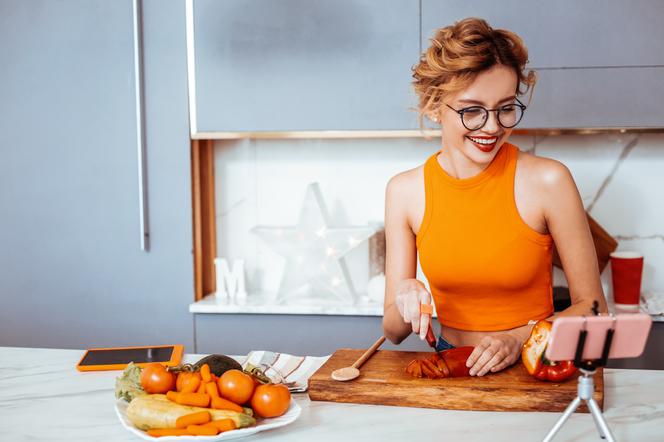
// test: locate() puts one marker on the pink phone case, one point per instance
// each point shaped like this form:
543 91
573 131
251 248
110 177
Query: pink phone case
629 336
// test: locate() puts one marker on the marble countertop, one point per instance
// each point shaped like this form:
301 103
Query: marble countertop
44 398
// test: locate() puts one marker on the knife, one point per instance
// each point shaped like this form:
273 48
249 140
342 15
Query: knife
427 309
431 338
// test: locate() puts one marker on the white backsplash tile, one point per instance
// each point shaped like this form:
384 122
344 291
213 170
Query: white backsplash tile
632 203
352 175
590 158
264 182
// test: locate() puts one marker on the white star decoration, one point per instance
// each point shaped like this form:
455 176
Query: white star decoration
314 252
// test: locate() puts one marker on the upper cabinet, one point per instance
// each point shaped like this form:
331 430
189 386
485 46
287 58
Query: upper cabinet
600 63
566 33
296 65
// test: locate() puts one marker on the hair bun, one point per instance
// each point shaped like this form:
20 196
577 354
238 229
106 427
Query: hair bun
458 53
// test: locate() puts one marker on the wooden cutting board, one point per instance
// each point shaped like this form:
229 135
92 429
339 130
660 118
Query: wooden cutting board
383 381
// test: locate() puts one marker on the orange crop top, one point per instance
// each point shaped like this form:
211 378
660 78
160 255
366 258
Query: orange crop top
487 269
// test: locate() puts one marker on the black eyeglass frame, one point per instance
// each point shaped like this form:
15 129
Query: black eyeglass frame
486 114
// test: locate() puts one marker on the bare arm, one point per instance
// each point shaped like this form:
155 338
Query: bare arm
403 293
566 220
568 224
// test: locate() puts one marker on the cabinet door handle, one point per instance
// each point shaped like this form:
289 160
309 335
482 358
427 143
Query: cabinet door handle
140 125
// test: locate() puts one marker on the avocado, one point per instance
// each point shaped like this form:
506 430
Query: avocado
219 364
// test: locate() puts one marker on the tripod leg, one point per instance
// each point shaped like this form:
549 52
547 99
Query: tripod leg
566 414
597 424
602 427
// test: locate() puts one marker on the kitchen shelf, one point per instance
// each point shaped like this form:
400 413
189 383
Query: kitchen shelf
265 304
426 133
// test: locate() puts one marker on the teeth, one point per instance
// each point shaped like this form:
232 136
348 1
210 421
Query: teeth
483 140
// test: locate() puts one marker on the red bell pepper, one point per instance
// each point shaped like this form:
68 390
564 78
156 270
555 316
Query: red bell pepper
456 358
532 356
556 371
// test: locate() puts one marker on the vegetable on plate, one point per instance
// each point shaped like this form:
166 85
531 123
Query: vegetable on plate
156 411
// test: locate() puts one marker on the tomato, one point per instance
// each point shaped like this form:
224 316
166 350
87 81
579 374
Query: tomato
156 379
236 386
270 400
188 381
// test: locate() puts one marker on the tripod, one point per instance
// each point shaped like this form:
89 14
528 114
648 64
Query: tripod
585 390
586 387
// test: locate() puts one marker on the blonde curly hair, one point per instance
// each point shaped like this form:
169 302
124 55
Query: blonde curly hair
458 53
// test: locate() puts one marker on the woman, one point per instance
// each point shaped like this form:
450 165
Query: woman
482 215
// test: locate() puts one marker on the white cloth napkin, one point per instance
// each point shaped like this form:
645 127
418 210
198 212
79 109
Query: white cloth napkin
295 371
653 302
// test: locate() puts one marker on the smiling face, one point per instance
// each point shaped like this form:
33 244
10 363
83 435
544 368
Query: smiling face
491 89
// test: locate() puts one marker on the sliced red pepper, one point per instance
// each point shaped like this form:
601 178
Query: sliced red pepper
455 359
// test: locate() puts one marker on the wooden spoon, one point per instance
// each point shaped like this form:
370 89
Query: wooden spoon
350 373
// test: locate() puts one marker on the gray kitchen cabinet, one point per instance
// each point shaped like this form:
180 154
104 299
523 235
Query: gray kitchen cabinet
316 335
607 97
72 273
600 63
291 65
566 33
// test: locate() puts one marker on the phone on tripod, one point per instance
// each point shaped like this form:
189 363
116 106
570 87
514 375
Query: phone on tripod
629 336
590 341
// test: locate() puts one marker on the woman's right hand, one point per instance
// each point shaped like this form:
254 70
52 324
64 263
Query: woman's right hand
409 294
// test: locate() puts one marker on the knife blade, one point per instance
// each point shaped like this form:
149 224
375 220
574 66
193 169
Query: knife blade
431 338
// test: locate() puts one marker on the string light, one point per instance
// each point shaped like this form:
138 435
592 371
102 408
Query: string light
314 253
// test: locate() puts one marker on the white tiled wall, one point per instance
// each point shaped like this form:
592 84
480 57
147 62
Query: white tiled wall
620 179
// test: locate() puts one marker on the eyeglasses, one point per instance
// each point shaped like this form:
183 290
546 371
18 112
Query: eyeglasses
475 117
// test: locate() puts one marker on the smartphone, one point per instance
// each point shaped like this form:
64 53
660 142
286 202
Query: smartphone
95 359
629 336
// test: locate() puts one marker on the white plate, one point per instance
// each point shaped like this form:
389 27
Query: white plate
261 425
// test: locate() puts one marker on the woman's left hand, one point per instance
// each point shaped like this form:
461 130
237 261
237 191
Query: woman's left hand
494 353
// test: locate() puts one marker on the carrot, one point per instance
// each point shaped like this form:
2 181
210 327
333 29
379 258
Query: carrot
211 389
158 432
222 425
172 395
190 383
200 417
224 404
205 373
201 387
202 430
194 399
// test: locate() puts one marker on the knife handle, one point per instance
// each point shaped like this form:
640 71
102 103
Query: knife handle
431 338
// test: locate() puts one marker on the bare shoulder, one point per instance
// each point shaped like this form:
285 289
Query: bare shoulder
545 174
407 183
404 198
